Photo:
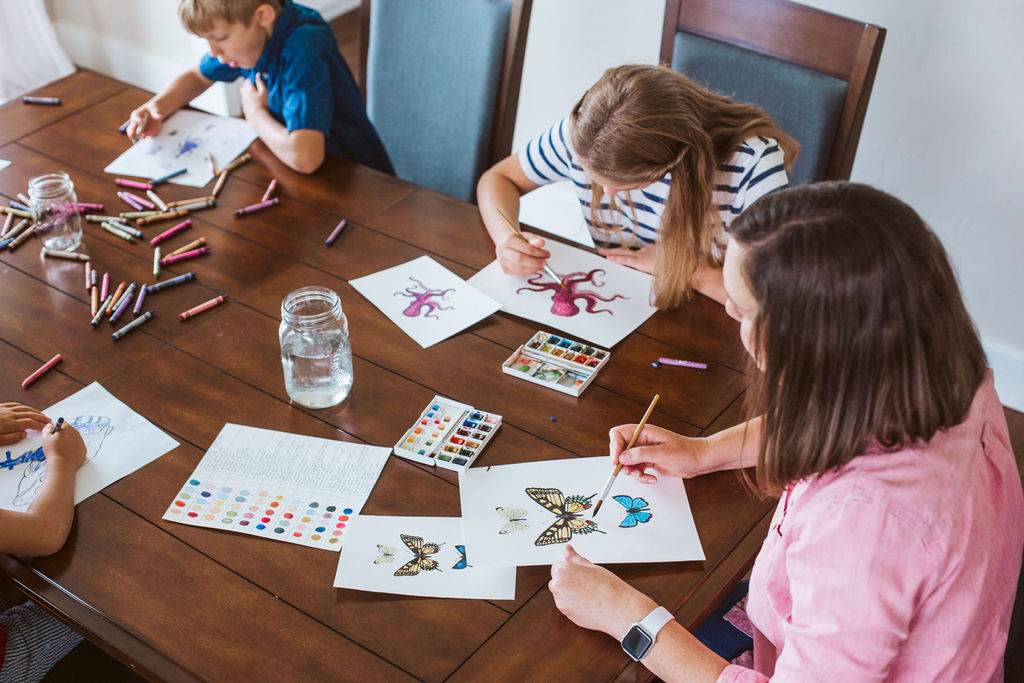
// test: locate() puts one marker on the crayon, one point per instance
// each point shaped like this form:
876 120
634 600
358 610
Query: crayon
205 203
185 202
57 425
124 127
124 227
132 325
139 301
683 363
205 306
24 200
194 244
170 283
337 231
88 275
8 222
116 297
96 218
94 280
165 178
113 230
213 164
252 208
221 179
153 218
143 122
187 223
54 101
168 260
19 206
144 203
94 297
17 212
102 309
236 163
270 189
106 285
134 184
126 215
156 262
88 207
156 200
130 201
39 373
123 303
69 255
24 235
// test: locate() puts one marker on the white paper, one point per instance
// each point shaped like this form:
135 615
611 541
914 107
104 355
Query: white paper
503 523
430 561
426 300
4 164
118 441
185 140
607 301
555 208
288 487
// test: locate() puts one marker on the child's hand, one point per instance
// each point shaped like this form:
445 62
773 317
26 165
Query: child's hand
16 419
657 450
145 121
254 96
64 447
640 259
520 258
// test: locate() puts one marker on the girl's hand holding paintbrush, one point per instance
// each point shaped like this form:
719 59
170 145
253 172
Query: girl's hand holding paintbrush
517 235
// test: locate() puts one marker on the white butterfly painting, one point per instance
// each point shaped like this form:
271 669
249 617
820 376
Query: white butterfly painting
516 519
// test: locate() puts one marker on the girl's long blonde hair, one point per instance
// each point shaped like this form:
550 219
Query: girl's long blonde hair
639 123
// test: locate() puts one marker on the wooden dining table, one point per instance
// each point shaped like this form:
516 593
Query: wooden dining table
177 602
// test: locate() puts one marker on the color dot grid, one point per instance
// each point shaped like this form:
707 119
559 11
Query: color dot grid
294 516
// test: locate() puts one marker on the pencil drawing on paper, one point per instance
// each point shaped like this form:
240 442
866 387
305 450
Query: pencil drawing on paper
424 300
515 519
637 511
567 510
421 560
563 300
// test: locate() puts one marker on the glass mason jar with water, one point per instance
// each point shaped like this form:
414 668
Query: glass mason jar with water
315 349
52 198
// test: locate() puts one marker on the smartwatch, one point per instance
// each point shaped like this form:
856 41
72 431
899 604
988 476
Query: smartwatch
640 637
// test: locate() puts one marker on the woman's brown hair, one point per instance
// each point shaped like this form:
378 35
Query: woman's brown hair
861 332
639 123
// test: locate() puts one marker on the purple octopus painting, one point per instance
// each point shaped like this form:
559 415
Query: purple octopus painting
563 301
424 300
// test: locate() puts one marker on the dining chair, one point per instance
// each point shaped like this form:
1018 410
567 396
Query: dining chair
810 70
441 81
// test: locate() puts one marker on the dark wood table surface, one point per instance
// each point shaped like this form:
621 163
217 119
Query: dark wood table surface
176 602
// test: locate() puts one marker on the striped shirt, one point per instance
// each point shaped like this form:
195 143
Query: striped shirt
756 168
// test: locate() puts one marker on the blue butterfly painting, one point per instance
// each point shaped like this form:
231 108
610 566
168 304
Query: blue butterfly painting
461 564
637 511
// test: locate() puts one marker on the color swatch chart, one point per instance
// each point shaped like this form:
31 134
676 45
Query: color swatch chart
288 487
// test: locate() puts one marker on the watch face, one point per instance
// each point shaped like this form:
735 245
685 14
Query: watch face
637 642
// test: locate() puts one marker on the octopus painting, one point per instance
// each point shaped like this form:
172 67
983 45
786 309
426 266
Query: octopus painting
423 300
563 301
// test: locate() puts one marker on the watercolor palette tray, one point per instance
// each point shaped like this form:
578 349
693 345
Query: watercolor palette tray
556 362
448 434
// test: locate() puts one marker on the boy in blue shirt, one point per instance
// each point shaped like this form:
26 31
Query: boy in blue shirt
299 95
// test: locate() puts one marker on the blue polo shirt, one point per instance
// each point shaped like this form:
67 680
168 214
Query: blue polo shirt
309 86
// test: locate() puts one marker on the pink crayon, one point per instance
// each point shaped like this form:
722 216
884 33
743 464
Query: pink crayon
46 366
683 363
270 190
187 223
129 199
134 184
105 286
88 275
337 231
145 203
252 208
168 260
82 208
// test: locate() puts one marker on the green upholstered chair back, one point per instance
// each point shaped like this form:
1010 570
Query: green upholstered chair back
439 85
809 70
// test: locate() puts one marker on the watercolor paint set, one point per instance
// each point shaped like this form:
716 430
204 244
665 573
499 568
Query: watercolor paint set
448 434
556 362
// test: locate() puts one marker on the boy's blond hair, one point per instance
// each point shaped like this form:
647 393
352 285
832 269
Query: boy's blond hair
199 16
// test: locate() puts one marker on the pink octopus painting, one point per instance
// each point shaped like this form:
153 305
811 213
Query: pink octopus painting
563 302
423 300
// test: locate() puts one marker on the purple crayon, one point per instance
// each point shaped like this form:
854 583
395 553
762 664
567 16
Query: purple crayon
337 231
252 208
170 283
138 301
129 199
123 303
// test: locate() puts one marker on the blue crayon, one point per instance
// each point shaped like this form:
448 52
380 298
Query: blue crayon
20 206
170 283
164 179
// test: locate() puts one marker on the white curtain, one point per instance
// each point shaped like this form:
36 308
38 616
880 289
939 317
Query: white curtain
30 55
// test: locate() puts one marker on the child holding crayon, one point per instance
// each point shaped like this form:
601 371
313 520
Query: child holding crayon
660 166
896 546
31 640
299 95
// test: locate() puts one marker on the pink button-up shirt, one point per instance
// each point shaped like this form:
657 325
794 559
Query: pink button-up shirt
901 567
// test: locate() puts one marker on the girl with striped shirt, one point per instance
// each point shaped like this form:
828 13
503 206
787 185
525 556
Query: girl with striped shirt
660 166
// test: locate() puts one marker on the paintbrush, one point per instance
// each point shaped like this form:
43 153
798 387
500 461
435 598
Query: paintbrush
547 269
618 467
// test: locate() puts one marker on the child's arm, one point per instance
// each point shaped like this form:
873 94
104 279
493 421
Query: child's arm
43 528
500 188
147 119
16 419
301 150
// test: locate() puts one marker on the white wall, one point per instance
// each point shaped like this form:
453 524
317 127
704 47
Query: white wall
944 130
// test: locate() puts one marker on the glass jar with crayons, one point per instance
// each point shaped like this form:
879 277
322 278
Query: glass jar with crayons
53 203
316 352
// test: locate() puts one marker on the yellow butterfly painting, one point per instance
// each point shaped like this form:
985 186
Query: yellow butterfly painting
567 510
422 560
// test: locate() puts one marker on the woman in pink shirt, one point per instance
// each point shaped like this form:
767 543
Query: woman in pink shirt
896 546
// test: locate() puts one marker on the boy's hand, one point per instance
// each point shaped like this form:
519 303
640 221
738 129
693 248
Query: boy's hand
66 446
145 121
16 420
254 97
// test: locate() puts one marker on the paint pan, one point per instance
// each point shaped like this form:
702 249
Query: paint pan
448 434
556 362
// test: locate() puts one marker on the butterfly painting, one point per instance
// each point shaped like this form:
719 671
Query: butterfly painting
637 511
422 560
567 511
387 554
461 564
516 519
